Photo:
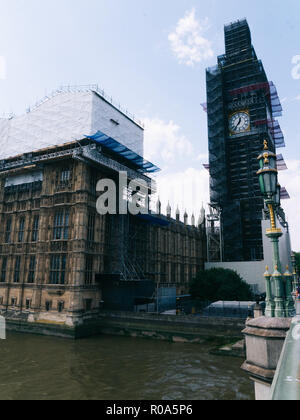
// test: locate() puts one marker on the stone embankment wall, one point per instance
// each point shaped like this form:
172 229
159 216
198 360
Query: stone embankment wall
191 329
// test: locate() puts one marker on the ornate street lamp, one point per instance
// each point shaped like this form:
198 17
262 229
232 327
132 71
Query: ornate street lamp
295 275
268 181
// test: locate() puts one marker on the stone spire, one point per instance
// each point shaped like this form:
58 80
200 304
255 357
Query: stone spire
202 216
193 220
177 214
186 217
169 211
158 207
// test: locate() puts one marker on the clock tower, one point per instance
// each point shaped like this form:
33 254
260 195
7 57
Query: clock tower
242 107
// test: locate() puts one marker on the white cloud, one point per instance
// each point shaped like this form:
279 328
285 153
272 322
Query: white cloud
164 141
203 157
2 68
188 190
188 43
297 98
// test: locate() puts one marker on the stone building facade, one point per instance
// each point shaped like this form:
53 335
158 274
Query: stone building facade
53 243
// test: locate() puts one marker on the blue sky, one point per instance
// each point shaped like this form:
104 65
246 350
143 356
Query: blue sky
137 51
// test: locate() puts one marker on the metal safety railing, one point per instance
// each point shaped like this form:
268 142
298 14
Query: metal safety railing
85 88
286 384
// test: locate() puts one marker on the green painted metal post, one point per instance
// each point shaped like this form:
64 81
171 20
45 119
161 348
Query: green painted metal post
274 236
280 307
289 301
279 300
270 305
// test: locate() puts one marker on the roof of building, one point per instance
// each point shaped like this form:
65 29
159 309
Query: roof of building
68 115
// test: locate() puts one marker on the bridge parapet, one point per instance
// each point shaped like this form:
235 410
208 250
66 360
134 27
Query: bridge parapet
286 385
265 339
2 328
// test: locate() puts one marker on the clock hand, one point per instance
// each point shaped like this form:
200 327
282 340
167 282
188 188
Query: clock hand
238 123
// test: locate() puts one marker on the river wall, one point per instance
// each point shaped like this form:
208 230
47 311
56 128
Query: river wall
191 329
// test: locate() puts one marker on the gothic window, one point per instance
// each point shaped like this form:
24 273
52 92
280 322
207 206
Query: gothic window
182 273
173 273
8 230
31 273
21 229
58 269
165 242
164 274
65 175
61 225
3 270
17 270
64 178
91 228
61 306
35 229
89 270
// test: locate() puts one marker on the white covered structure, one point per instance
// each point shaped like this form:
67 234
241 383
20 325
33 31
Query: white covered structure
253 271
69 115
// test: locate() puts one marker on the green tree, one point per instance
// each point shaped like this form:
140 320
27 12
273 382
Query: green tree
220 284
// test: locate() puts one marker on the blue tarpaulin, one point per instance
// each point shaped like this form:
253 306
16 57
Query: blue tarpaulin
154 220
113 145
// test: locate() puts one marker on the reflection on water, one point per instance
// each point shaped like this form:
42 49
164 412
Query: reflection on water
109 368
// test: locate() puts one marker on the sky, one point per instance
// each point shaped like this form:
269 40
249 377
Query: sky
151 56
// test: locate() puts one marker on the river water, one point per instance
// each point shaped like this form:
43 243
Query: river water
116 368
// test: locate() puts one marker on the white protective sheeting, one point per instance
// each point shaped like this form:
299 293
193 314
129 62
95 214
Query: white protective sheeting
22 179
67 117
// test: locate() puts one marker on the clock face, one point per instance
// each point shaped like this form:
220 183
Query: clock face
239 122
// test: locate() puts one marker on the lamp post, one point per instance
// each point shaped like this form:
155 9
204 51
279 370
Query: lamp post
295 275
270 304
268 181
288 284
